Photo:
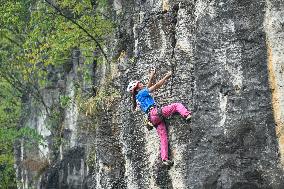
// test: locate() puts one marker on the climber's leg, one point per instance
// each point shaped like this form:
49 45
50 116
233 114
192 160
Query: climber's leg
173 108
162 132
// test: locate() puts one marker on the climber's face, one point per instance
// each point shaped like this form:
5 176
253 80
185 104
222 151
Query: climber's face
140 85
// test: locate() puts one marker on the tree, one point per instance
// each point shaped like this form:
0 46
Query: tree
37 36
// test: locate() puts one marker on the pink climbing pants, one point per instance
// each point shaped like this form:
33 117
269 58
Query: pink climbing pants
161 127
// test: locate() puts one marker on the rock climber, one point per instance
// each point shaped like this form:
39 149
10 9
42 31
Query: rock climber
141 97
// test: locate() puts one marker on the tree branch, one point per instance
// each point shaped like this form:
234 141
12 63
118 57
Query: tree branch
12 82
12 41
79 26
21 87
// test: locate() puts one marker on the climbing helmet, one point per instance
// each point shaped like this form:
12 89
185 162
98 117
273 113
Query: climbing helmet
132 85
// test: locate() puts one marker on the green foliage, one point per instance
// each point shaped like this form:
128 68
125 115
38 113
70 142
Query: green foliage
104 99
94 106
10 107
41 35
91 160
36 37
64 101
7 172
9 114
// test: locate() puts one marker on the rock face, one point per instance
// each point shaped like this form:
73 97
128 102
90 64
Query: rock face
225 56
274 36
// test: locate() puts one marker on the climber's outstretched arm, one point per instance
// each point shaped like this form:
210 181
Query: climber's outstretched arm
161 82
151 77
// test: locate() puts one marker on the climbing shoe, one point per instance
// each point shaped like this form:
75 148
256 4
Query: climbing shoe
168 163
188 117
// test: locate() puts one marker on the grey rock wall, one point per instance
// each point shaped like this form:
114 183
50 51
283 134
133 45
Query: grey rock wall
60 162
274 36
218 53
234 117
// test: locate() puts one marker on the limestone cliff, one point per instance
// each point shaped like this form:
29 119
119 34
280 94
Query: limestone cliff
227 62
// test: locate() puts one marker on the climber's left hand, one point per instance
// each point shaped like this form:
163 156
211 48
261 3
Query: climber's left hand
152 71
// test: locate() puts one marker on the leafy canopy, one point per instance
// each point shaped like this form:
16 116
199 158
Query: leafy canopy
37 35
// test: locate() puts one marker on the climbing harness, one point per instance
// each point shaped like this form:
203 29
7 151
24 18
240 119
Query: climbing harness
147 119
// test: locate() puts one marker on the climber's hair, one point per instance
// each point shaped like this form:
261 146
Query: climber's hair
134 103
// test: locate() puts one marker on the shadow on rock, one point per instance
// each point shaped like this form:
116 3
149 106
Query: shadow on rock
161 175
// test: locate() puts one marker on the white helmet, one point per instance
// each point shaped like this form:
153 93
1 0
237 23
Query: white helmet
132 85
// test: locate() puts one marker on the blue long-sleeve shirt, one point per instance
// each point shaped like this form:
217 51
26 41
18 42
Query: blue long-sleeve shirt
144 99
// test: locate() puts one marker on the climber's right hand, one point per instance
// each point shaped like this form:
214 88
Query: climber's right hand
169 74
